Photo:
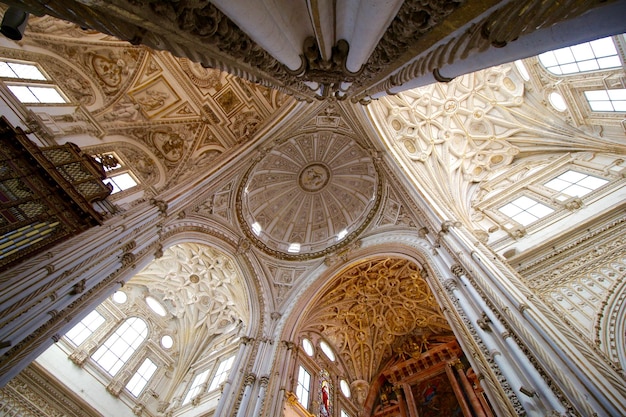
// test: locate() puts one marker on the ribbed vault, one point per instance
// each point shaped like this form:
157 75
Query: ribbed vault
370 311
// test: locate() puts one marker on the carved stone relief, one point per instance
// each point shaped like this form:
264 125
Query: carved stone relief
368 310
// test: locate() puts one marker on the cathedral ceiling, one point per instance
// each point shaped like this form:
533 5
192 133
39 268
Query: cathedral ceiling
375 312
476 136
309 195
171 117
205 296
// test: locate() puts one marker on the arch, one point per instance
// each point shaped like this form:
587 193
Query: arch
611 322
407 273
211 319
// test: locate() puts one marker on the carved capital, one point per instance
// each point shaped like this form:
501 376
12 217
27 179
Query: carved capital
115 387
128 258
458 270
160 204
290 345
78 288
249 379
79 357
450 284
483 322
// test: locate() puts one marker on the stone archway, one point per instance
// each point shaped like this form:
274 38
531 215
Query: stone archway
393 343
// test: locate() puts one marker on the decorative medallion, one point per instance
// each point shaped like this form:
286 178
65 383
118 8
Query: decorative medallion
309 196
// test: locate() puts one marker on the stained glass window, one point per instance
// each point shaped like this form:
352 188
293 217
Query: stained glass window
325 394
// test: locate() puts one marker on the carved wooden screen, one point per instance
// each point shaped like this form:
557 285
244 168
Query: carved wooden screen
43 200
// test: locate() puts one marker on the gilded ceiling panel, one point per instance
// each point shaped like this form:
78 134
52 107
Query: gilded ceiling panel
187 115
370 310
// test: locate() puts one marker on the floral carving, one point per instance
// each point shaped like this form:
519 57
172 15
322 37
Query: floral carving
372 306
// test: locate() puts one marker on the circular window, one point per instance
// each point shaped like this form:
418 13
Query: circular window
522 70
120 297
557 101
345 388
307 346
167 341
327 350
156 306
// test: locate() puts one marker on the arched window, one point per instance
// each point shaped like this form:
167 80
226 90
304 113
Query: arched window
588 56
121 345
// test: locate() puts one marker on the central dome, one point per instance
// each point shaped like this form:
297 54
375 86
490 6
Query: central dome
309 195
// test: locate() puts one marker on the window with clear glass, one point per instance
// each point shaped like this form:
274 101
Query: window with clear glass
307 346
327 350
121 345
22 71
222 373
118 175
120 297
121 182
345 388
30 94
139 381
33 86
525 210
304 386
607 100
344 414
81 331
575 184
167 342
109 161
156 306
588 56
196 386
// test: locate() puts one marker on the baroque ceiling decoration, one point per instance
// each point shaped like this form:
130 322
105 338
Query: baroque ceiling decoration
204 293
309 195
185 115
456 136
370 313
